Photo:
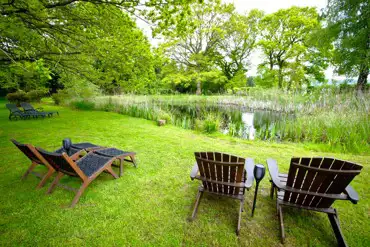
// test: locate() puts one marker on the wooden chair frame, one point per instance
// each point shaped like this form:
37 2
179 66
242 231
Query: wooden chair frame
41 161
86 180
312 195
121 159
216 184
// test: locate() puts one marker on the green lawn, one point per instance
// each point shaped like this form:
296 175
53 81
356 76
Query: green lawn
150 205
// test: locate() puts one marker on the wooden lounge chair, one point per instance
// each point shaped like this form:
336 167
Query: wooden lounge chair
28 108
224 175
118 154
314 184
37 159
87 169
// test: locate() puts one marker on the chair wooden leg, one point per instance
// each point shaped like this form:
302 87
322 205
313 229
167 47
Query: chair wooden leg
120 167
280 210
45 178
336 228
55 183
79 193
199 196
133 160
29 170
240 216
110 170
272 190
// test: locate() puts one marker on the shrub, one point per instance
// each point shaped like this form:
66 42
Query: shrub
17 97
60 97
36 95
83 105
162 115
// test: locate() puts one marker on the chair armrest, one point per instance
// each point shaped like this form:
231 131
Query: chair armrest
274 173
248 167
352 194
194 171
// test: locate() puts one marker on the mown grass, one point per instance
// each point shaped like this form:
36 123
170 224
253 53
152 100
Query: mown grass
150 205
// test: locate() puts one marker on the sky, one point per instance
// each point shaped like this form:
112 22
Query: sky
268 6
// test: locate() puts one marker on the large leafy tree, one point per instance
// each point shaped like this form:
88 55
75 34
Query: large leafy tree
68 36
287 44
349 23
195 49
238 39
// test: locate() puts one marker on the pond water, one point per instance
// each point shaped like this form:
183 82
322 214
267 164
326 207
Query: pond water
235 121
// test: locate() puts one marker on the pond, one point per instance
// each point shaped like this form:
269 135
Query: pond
231 120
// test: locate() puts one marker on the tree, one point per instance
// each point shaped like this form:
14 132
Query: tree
286 42
69 35
195 48
348 22
239 37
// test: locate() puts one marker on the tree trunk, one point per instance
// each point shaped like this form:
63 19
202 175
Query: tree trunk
362 78
199 88
280 76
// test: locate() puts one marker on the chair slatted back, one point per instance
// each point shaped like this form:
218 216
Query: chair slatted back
220 167
26 149
318 175
13 108
58 162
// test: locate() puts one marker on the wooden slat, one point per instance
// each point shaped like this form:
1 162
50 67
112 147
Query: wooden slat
201 172
219 178
301 173
212 170
307 184
339 183
320 178
291 177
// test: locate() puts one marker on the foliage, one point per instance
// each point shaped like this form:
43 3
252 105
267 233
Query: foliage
237 40
287 44
83 105
17 97
348 23
31 96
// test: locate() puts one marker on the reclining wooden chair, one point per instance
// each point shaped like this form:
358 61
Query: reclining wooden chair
224 175
87 169
37 159
314 184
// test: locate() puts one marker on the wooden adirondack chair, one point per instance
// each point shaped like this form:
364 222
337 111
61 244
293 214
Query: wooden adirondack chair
224 175
314 184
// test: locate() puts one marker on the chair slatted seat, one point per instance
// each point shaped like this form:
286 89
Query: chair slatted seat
222 174
314 184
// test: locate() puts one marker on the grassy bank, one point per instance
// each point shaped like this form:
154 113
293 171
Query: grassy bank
149 206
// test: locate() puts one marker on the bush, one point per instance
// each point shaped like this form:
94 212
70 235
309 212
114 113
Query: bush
36 95
83 105
31 96
17 97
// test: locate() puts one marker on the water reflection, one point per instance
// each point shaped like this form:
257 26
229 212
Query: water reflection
235 121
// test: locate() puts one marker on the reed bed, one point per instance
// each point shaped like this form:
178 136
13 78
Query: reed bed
340 120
